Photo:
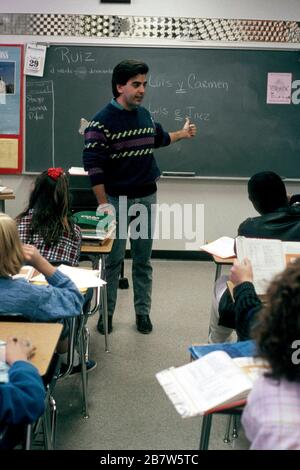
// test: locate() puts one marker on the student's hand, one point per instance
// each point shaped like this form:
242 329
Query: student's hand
241 272
189 129
33 257
18 349
106 209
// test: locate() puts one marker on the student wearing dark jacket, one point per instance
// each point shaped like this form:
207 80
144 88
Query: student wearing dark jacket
277 220
247 304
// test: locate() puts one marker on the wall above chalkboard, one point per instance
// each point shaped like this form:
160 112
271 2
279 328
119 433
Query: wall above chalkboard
223 91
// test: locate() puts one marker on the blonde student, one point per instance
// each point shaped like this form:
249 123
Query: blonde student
58 300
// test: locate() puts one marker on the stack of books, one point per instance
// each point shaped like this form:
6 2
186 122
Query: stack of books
97 228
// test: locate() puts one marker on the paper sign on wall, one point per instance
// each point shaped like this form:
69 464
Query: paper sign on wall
279 88
35 60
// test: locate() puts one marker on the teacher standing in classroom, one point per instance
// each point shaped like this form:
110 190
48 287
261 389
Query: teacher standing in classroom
118 155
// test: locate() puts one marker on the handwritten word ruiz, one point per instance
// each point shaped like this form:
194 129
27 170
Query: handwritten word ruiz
191 82
68 56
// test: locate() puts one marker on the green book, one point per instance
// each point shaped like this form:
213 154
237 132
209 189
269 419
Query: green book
94 226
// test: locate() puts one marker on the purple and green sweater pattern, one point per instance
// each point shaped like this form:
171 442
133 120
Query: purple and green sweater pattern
119 147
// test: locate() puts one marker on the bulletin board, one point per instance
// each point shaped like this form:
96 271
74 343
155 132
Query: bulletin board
11 108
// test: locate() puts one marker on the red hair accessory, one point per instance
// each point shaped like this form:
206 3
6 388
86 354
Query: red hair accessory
55 173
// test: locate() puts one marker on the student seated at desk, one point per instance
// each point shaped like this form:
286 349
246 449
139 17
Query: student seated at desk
272 415
47 222
277 219
22 397
247 304
48 225
41 303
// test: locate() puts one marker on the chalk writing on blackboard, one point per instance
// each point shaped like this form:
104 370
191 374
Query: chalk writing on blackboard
40 106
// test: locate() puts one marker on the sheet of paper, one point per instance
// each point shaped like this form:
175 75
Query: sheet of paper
35 57
82 278
279 88
5 190
222 247
9 153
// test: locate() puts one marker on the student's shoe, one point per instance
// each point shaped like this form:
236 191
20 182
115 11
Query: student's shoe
90 365
143 324
100 325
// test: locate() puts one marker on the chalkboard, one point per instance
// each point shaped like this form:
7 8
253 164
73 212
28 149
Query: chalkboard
224 91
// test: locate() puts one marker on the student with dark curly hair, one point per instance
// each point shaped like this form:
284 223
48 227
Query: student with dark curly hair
272 415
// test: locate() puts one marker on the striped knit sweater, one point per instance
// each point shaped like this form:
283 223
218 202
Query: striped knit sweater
118 151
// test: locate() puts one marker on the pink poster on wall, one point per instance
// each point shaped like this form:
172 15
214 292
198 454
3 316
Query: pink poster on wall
279 88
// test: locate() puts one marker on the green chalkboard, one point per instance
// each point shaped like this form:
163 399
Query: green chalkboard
224 91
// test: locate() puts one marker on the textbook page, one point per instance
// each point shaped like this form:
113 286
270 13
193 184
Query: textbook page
206 383
222 247
266 256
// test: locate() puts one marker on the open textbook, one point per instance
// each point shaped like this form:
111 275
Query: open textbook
210 382
268 258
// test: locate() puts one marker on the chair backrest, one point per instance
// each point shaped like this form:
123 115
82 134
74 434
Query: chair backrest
14 317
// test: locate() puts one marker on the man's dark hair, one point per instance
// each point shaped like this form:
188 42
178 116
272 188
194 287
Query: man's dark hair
126 70
279 324
267 192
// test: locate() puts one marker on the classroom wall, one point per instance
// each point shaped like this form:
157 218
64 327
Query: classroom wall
225 202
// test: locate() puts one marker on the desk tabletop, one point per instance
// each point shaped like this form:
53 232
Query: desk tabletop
106 247
44 336
219 260
4 197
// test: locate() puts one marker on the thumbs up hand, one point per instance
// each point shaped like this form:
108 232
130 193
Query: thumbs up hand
189 129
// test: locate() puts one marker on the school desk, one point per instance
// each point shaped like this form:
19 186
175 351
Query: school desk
44 336
97 254
3 198
221 262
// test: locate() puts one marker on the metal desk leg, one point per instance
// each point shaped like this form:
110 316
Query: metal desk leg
205 432
83 372
103 293
218 271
